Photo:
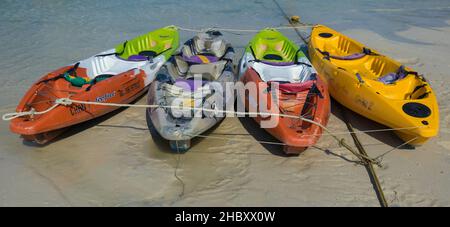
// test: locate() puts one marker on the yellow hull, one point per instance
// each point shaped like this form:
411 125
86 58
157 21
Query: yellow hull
408 104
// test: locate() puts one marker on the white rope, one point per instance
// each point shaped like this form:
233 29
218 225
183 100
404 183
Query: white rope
379 158
341 141
244 30
32 112
68 102
368 131
236 139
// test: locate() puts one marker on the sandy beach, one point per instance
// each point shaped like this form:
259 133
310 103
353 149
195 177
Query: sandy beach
116 161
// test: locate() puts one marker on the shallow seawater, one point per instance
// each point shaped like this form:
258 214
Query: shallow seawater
39 36
115 161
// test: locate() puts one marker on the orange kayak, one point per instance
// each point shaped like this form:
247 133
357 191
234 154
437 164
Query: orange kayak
272 58
122 88
297 135
118 75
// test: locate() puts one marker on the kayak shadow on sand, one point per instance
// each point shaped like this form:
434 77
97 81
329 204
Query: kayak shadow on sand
364 124
358 122
163 144
259 134
75 129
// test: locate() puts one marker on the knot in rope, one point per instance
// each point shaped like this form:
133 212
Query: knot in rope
64 101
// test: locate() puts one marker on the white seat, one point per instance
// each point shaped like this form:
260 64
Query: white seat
111 64
290 73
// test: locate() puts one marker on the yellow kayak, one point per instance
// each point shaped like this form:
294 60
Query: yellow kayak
375 86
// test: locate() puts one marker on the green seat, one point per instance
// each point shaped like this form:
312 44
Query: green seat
270 45
156 41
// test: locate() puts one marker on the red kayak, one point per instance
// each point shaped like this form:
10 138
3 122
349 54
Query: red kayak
270 58
309 100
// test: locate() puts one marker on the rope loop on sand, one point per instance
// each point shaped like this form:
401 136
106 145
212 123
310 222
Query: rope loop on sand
32 112
68 101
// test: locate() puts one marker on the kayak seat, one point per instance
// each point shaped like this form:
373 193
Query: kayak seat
392 77
291 73
274 50
205 48
278 63
144 46
137 58
354 56
209 72
183 69
200 59
273 57
143 56
203 57
189 84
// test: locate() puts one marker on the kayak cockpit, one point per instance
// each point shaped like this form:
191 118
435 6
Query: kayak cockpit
193 80
290 73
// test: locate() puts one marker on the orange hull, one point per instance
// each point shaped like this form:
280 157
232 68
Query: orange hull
297 135
121 88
